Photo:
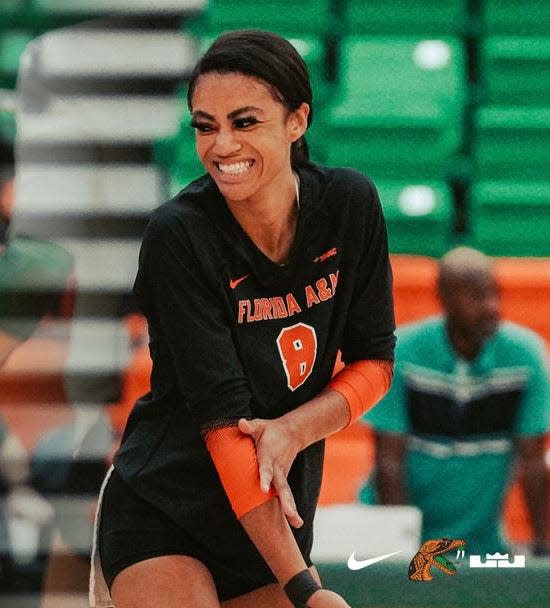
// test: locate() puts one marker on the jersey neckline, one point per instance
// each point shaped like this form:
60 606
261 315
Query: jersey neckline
221 213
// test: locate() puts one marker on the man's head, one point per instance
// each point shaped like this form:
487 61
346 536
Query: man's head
469 294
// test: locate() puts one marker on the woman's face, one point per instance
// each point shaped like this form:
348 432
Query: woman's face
243 134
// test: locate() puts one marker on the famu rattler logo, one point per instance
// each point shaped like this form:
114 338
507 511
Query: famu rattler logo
432 553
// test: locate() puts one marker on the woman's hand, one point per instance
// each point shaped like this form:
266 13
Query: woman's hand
276 449
326 599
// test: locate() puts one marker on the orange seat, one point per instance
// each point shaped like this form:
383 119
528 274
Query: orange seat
135 381
414 287
349 457
525 292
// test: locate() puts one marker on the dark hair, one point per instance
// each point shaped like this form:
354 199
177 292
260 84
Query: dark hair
269 58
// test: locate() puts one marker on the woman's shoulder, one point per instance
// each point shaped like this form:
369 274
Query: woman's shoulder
345 182
341 176
346 192
186 207
182 223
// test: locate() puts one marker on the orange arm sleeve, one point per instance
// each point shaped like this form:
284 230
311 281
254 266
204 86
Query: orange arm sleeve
234 456
363 384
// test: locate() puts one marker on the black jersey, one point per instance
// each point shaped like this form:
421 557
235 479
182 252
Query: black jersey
233 334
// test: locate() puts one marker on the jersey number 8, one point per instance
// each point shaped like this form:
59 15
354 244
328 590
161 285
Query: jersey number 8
298 349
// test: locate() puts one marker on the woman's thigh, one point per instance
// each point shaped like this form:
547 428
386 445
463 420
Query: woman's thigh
170 581
177 581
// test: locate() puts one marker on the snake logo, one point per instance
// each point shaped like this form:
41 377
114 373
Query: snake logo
431 553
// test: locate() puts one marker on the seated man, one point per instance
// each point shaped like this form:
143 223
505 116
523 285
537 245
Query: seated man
470 394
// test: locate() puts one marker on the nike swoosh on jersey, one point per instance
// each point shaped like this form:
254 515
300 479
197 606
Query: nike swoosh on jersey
354 564
234 282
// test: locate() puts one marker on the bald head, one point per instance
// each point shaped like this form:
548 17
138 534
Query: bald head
469 293
460 265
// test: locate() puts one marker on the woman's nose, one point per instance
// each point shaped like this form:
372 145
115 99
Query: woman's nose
226 144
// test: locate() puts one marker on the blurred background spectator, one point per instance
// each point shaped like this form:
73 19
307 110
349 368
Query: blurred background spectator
469 395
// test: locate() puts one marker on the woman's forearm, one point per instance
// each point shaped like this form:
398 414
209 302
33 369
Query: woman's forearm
354 390
278 441
267 527
318 418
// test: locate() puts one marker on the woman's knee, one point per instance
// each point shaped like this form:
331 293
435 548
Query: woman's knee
270 596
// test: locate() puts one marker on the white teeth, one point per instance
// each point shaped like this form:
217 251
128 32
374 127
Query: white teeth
235 168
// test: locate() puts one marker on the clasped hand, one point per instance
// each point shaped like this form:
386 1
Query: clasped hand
276 449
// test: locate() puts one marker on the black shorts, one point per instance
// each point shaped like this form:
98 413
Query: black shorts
132 530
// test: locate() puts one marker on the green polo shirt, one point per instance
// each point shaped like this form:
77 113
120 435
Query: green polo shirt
462 417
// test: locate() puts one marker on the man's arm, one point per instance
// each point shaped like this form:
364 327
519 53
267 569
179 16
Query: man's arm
389 468
534 479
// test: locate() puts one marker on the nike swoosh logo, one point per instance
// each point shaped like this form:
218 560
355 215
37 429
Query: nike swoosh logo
233 283
354 564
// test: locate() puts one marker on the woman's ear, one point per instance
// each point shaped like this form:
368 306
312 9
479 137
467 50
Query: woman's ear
297 122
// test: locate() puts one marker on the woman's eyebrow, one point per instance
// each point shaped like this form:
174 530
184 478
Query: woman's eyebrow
243 110
201 114
231 115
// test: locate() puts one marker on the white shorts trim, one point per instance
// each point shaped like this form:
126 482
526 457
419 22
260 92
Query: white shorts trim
99 595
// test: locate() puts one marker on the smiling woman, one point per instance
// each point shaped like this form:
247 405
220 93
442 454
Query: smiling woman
252 279
246 150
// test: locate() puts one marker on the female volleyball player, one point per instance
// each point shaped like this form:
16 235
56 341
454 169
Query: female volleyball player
251 279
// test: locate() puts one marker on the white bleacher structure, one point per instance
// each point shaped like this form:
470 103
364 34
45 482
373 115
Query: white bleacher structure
87 189
127 7
98 120
366 530
92 53
92 101
58 187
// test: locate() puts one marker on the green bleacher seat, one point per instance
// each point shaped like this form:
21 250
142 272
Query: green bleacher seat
307 17
511 218
12 45
406 17
5 126
7 118
178 181
10 7
313 52
398 109
516 70
177 154
13 6
11 12
528 17
512 142
418 216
